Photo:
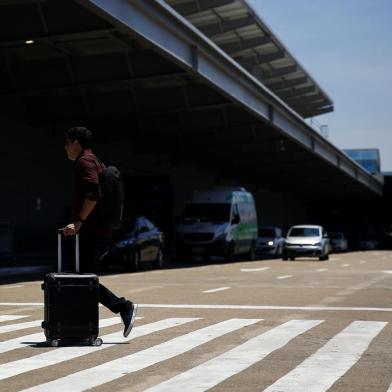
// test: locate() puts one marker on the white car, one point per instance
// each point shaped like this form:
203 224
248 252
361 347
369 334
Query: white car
338 241
306 240
270 241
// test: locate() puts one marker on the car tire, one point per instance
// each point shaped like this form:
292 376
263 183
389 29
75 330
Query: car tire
206 258
127 260
136 260
324 256
292 258
252 252
279 251
159 261
230 252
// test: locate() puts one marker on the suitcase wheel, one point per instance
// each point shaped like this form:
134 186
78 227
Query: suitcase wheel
95 342
54 342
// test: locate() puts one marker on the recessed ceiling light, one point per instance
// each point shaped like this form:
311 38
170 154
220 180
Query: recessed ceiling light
29 42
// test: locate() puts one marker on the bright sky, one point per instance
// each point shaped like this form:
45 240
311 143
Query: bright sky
346 45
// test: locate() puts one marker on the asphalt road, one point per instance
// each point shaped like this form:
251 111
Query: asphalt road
266 325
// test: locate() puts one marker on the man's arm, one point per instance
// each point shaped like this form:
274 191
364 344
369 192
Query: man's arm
74 227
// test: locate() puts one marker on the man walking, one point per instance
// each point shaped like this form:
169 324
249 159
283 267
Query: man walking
94 235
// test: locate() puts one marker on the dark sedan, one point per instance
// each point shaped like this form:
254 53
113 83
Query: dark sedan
139 241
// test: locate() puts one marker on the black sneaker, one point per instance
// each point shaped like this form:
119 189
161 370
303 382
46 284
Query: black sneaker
128 317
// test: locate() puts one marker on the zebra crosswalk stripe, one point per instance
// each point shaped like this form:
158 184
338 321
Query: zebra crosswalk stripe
39 337
9 317
19 326
216 370
115 369
322 369
62 354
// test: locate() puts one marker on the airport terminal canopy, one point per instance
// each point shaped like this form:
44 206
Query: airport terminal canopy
238 30
141 70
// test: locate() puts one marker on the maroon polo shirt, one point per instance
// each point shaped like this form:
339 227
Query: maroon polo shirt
87 172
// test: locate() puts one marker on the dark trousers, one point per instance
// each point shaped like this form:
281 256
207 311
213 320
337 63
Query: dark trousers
92 247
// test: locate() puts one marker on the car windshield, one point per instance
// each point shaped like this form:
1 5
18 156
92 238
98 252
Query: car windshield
304 232
207 212
266 233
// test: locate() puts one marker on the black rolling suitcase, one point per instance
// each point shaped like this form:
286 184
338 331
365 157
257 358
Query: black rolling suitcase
71 303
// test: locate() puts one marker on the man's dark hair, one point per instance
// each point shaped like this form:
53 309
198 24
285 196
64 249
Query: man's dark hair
82 134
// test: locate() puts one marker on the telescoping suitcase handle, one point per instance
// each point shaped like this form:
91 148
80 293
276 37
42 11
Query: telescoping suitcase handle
60 233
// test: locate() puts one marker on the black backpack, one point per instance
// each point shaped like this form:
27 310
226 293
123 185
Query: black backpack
111 204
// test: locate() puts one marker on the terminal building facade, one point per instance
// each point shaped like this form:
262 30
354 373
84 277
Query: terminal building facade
181 95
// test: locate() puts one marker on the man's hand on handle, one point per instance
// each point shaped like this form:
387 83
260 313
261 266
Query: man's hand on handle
72 228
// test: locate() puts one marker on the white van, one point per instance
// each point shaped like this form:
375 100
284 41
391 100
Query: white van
218 222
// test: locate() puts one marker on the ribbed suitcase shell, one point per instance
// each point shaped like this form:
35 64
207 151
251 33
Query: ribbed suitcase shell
71 306
70 303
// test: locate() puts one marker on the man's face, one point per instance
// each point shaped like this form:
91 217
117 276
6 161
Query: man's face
72 148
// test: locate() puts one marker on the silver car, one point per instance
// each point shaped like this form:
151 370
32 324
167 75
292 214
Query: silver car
306 240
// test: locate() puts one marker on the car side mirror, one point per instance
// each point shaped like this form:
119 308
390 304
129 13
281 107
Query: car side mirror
325 235
236 219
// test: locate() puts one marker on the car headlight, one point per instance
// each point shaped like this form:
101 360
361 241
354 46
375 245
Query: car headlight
317 244
220 235
271 243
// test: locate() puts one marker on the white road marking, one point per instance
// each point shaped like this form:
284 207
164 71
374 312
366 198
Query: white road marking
62 354
322 369
142 289
390 388
248 307
39 337
21 304
363 261
266 307
10 317
345 265
254 269
387 271
15 286
37 323
117 368
218 289
284 276
218 369
19 326
322 269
